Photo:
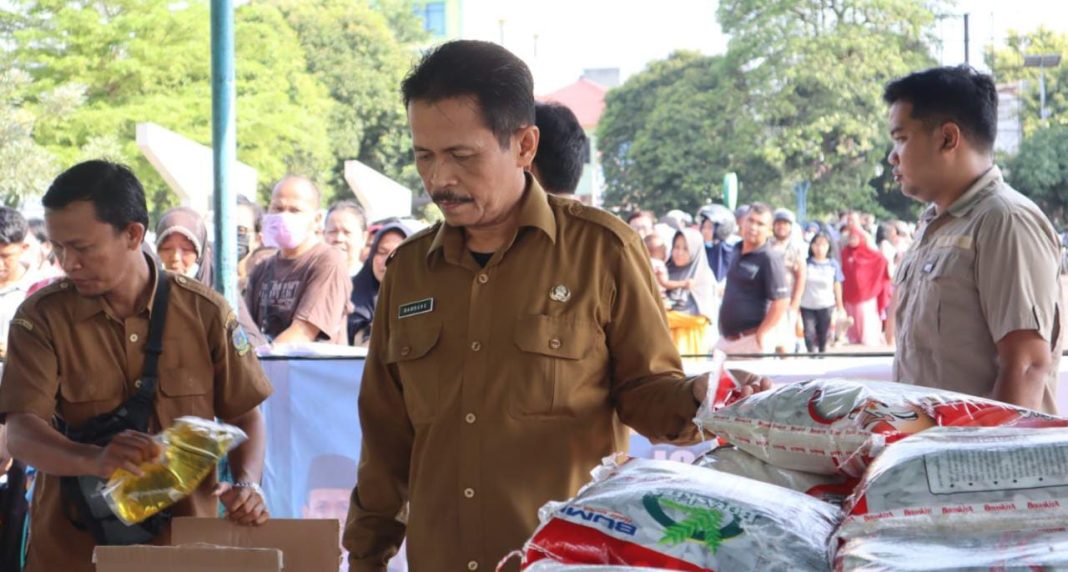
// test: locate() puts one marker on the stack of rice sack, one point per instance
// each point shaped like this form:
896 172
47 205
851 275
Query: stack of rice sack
854 475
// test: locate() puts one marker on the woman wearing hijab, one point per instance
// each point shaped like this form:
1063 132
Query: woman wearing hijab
366 282
182 247
691 292
865 288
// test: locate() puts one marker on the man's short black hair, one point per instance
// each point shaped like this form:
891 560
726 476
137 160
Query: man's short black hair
351 207
113 189
496 78
13 227
257 211
958 94
563 148
639 213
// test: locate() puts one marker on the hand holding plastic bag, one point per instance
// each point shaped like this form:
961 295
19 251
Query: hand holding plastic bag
190 451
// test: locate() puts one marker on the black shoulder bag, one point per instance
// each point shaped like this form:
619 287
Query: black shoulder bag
83 502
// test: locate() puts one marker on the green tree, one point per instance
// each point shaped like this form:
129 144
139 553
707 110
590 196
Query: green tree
148 61
1007 65
670 133
816 70
360 53
1040 171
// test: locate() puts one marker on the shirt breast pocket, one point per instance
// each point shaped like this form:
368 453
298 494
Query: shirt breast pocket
185 390
947 284
557 362
85 397
410 351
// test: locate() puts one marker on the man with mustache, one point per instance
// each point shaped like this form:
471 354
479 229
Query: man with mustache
978 296
511 345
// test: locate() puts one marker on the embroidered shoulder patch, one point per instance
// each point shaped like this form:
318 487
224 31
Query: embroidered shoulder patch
22 323
240 341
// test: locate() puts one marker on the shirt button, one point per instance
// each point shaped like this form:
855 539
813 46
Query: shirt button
137 384
470 418
469 493
483 278
472 565
574 208
555 343
406 350
475 346
134 338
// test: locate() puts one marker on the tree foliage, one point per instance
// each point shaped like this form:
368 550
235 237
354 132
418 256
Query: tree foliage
1007 64
1040 171
797 98
358 53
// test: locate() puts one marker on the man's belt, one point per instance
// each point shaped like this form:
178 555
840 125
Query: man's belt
740 335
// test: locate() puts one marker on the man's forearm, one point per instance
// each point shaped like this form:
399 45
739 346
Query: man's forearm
246 461
298 332
775 313
33 441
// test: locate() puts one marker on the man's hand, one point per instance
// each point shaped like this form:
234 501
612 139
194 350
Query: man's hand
244 504
127 450
748 384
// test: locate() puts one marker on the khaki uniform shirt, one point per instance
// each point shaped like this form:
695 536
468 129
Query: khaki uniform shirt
489 391
69 357
986 267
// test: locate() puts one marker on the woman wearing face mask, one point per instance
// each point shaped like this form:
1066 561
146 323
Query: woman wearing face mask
366 282
182 248
691 292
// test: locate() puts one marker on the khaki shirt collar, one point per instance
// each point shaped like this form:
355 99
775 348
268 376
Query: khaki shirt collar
534 211
88 306
987 183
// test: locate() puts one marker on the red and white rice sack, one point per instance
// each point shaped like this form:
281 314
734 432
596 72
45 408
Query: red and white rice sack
838 425
906 551
674 516
728 459
953 481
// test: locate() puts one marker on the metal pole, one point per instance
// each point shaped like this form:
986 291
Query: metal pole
1042 91
224 147
967 47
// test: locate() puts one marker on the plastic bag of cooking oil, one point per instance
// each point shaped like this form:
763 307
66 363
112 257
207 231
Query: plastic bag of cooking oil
190 450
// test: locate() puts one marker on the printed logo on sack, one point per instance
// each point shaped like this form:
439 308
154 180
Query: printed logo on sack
594 517
704 525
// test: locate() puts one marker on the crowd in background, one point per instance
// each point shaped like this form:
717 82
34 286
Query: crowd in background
837 275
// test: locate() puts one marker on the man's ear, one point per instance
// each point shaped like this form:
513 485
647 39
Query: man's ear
135 235
951 136
527 143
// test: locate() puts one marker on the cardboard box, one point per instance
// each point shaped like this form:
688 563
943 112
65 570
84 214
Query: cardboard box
184 558
307 545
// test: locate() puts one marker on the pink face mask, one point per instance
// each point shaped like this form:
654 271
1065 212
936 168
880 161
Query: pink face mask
285 230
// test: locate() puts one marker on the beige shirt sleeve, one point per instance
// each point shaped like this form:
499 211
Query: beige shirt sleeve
649 388
1017 273
374 531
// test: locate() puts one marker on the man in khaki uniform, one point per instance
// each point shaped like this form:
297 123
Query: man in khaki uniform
978 297
510 345
77 351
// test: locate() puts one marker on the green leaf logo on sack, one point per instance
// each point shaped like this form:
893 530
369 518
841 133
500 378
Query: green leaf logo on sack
703 525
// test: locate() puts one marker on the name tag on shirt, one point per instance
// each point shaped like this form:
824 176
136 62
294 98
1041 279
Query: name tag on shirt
415 308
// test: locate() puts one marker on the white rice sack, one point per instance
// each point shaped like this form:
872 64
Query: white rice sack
951 481
838 425
673 516
915 551
728 459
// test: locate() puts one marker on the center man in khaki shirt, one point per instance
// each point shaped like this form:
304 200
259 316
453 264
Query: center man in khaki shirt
978 295
510 345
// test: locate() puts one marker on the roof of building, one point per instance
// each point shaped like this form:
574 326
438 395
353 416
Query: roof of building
584 97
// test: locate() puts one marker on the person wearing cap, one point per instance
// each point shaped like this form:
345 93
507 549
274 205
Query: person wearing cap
792 251
978 293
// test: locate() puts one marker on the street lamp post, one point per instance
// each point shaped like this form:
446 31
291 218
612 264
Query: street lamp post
1042 61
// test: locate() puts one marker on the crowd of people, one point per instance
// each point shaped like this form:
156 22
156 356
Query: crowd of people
756 280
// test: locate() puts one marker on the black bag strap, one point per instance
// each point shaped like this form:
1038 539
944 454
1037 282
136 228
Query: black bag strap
154 346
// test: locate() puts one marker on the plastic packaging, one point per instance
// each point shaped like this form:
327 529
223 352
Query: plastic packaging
905 551
953 481
674 516
192 448
551 566
838 425
728 459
